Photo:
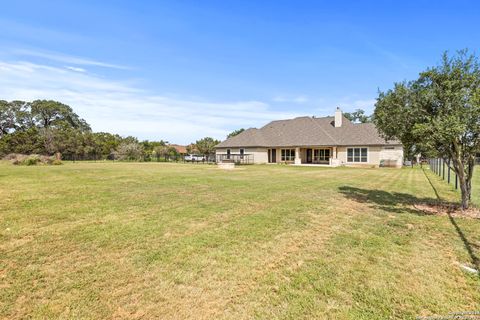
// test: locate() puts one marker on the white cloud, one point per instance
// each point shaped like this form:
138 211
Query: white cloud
58 57
367 105
120 108
291 99
75 69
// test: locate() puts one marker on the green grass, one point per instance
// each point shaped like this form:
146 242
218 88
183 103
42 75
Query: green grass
476 186
181 241
475 183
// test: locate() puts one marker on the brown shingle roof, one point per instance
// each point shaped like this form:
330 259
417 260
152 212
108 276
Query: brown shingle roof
180 149
307 131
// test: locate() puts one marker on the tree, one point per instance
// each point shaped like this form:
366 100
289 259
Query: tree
48 127
161 151
130 151
438 114
206 146
49 113
7 118
192 148
235 133
358 116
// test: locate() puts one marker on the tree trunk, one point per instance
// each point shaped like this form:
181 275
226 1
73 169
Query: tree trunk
464 179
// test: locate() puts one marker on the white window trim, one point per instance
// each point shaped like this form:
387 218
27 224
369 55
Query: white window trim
330 153
353 162
290 155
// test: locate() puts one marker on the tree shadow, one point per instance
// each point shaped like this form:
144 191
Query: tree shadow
395 202
467 244
398 202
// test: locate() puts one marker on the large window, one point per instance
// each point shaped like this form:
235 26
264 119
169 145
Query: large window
228 153
242 152
357 154
320 155
288 154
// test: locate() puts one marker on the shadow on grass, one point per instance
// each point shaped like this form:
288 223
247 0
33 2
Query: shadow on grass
397 202
467 244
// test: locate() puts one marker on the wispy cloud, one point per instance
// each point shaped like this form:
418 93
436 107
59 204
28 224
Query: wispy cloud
291 99
364 104
120 108
58 57
76 69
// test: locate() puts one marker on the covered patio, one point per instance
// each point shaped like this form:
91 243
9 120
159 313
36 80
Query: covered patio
308 155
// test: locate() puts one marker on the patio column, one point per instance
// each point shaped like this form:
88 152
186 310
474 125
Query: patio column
298 157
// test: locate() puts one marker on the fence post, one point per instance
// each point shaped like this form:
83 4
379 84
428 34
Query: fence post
443 169
448 174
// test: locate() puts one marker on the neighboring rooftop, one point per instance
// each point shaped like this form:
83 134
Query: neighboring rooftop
308 131
180 149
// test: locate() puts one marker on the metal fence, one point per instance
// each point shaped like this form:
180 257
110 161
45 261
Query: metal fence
443 170
212 159
140 158
235 158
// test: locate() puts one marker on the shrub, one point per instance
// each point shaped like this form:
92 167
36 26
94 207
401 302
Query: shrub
57 162
32 160
11 156
130 151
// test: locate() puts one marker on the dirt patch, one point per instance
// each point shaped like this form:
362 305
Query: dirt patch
443 209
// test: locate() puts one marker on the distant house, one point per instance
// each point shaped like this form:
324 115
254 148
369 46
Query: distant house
329 141
182 150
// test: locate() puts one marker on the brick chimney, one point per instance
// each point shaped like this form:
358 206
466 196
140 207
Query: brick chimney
338 117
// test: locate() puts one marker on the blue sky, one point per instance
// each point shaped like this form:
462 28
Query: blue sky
181 70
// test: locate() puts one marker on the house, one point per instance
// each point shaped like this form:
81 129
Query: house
329 141
182 150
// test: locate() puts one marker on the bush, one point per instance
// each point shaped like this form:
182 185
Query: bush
130 151
57 162
31 160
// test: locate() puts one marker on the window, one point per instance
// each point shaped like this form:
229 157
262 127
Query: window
288 154
228 153
357 154
321 155
242 152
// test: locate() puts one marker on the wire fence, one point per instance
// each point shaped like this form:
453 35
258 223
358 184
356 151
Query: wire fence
239 159
139 158
443 169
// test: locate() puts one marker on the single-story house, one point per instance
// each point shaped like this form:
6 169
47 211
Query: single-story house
330 141
182 150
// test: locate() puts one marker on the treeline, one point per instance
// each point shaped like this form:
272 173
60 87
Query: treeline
47 127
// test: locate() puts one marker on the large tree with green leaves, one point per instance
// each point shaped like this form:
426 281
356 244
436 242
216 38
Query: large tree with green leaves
358 116
235 133
49 113
206 146
438 114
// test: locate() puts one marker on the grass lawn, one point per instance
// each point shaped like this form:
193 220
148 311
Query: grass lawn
182 241
476 186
